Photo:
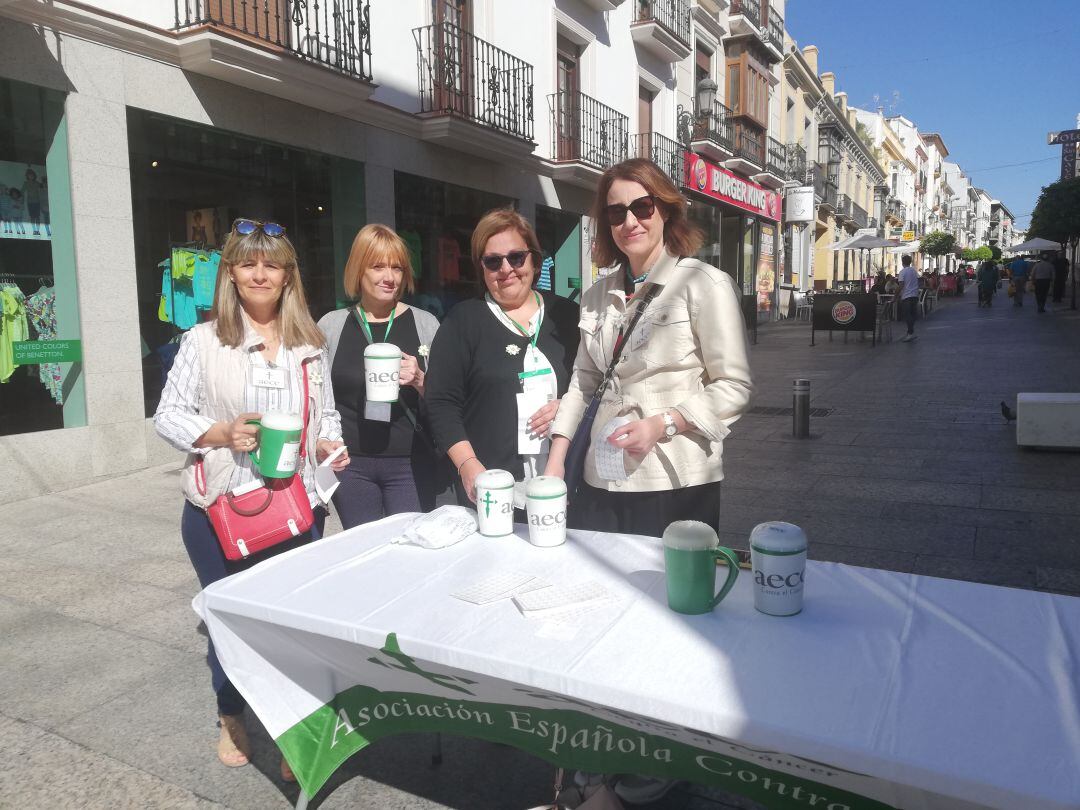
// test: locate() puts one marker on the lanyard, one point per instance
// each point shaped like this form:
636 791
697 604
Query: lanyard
536 334
362 319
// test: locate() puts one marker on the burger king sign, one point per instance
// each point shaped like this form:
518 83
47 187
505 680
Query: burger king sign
844 312
720 184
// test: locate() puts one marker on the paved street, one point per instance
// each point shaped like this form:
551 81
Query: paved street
104 693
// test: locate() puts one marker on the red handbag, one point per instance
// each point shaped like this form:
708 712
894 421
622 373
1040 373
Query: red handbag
260 516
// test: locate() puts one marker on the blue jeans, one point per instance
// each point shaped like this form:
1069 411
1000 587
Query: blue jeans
374 487
210 565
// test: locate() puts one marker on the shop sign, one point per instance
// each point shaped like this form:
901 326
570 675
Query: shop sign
33 352
852 312
799 205
907 236
720 184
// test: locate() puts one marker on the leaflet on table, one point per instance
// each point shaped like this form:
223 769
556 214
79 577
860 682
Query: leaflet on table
446 526
610 460
502 585
559 598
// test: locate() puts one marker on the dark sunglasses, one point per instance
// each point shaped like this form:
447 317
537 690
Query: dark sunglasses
641 208
247 226
493 261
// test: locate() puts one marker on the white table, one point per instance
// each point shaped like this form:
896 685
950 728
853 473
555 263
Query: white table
889 690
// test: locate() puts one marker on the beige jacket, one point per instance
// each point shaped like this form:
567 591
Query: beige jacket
688 353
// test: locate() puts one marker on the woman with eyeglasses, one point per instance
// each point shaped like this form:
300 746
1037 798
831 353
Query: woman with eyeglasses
683 376
392 457
251 357
501 360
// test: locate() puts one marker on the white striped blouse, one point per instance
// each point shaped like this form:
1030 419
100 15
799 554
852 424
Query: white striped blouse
179 422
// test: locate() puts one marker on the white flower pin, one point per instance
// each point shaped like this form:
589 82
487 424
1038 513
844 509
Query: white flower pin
423 350
512 350
315 376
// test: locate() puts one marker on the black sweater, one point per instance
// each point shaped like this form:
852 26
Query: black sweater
472 380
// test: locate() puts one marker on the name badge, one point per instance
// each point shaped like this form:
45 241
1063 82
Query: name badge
269 377
377 411
642 333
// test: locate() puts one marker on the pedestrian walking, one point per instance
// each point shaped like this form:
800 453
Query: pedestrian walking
988 278
1061 275
1018 271
1043 275
909 297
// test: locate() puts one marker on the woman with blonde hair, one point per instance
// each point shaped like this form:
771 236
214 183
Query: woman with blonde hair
683 375
392 458
511 350
258 352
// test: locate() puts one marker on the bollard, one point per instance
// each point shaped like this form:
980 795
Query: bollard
800 401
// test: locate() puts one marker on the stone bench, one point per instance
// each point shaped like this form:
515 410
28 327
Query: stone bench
1048 420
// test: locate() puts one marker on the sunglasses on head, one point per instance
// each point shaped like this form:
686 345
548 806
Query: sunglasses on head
494 261
247 226
641 208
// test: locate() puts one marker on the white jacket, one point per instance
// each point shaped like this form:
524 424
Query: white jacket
688 353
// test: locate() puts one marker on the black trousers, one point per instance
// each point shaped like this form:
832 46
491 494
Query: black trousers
647 513
1042 289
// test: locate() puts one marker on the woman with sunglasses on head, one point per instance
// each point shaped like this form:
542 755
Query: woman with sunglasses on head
512 349
683 376
259 352
392 460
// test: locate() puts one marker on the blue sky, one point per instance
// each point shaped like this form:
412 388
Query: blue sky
992 77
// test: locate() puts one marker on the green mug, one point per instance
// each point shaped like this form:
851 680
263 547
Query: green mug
278 453
691 549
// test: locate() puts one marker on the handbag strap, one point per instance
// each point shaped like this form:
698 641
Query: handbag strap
200 473
623 338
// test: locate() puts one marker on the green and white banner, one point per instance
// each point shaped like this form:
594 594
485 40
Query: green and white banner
398 694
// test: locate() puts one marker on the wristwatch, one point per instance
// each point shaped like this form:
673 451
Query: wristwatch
670 428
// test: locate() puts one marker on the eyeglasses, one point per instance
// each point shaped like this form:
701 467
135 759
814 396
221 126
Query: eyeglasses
493 261
248 226
641 208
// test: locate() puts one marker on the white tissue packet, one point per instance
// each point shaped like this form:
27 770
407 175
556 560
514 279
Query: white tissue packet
446 526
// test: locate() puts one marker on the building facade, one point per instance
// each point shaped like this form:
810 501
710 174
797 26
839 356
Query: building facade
135 131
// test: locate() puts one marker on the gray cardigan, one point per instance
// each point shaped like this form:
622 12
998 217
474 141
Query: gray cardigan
332 323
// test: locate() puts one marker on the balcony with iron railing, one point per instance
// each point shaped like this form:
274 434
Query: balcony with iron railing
825 187
843 206
774 32
334 34
859 215
712 132
586 136
750 9
464 77
796 163
756 19
750 145
894 209
663 28
661 150
775 157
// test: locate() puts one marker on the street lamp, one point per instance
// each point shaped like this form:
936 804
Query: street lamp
686 121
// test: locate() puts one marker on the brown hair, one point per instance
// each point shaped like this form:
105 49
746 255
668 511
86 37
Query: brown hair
375 243
681 237
495 222
295 324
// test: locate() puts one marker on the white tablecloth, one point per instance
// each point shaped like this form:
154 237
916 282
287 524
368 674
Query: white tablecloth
921 692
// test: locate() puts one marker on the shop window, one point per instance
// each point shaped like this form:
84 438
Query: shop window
559 233
436 220
189 182
41 381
